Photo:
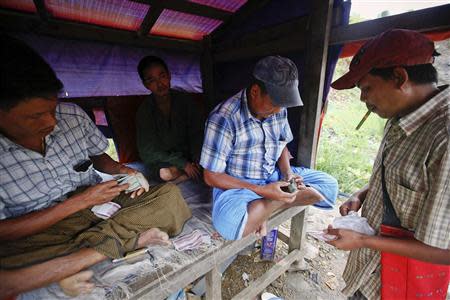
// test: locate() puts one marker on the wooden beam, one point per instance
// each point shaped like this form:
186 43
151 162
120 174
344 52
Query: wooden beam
313 83
207 72
150 19
428 19
265 35
268 41
254 44
281 46
213 281
160 289
238 17
19 22
298 231
189 8
41 10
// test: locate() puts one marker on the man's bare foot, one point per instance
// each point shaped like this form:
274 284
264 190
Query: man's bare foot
77 284
169 174
153 236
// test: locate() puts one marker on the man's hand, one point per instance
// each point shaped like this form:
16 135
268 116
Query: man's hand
130 171
273 191
193 170
102 192
352 204
298 179
346 239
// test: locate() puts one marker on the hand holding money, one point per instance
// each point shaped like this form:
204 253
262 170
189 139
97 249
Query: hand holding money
136 181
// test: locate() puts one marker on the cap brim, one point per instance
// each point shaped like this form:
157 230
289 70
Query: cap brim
349 80
285 96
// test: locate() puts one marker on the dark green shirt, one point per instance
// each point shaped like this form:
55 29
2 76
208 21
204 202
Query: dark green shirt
171 141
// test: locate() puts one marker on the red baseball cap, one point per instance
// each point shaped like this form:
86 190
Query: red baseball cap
396 47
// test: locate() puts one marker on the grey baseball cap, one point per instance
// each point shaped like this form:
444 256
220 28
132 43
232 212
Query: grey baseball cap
280 77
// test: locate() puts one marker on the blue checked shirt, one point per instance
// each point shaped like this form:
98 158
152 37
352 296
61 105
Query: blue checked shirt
30 181
238 144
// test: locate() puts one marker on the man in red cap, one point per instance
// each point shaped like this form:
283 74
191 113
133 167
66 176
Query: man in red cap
398 82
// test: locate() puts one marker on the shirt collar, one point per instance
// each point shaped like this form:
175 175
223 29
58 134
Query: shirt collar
417 118
245 110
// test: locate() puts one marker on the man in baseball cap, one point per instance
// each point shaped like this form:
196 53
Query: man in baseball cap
245 157
398 82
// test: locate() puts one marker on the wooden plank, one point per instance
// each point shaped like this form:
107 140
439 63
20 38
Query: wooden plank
255 44
282 46
41 10
298 231
150 19
313 83
20 22
172 282
190 8
207 70
434 18
238 17
283 237
268 41
213 284
267 278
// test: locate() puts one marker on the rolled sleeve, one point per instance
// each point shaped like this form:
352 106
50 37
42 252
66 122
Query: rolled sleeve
217 144
434 221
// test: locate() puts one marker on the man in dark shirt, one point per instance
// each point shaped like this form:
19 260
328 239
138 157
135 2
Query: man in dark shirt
169 126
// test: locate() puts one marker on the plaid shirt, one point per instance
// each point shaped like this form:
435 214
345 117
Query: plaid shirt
417 163
241 145
30 181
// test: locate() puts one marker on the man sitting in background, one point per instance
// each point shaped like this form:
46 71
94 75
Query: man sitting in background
169 126
48 186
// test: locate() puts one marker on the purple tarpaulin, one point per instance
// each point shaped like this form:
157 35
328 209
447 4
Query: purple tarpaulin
100 69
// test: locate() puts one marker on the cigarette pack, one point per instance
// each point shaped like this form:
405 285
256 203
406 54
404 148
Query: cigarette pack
268 245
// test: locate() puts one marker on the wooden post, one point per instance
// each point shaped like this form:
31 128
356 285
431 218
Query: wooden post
297 234
213 281
312 95
313 83
207 69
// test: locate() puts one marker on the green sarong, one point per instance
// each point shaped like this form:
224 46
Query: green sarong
161 207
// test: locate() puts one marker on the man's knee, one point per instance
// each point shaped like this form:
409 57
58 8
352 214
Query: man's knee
328 187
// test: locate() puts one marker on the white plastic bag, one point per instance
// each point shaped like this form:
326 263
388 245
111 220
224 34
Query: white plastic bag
353 222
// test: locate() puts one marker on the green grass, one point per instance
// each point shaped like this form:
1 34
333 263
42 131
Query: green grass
343 152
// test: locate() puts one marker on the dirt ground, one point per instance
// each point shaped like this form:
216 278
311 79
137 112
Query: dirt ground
320 274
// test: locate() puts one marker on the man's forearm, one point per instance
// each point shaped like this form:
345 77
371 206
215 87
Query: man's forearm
26 225
284 164
104 163
410 248
361 194
225 182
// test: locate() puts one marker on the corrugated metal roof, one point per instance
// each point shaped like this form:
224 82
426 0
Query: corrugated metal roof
228 5
121 14
129 15
21 5
181 25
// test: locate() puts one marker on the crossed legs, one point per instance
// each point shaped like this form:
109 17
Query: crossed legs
260 210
